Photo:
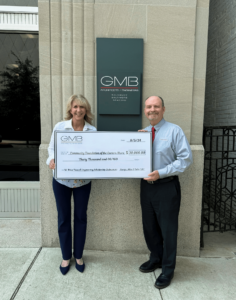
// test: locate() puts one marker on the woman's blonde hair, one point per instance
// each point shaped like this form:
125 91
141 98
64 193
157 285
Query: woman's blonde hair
81 100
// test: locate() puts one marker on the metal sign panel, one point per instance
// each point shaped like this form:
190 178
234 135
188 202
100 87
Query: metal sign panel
119 95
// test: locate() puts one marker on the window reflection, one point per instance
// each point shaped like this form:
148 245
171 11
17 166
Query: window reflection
19 107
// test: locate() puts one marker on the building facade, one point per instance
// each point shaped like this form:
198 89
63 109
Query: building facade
175 47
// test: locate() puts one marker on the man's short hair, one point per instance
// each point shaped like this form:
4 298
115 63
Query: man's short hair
159 98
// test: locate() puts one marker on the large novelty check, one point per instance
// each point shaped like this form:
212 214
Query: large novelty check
97 155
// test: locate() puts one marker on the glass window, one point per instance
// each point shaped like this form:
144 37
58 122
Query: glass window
19 107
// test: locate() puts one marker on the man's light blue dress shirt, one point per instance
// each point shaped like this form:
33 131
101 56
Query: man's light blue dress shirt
67 125
171 153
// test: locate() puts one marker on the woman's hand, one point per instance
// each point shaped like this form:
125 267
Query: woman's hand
142 130
52 164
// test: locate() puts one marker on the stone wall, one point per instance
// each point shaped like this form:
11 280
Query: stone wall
175 42
114 212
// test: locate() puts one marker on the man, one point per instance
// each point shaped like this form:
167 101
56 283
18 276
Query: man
160 191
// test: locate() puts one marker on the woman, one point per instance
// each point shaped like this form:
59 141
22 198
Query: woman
78 118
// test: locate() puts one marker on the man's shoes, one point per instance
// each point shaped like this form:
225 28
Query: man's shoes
163 281
149 266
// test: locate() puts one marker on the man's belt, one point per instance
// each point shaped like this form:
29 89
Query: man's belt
167 179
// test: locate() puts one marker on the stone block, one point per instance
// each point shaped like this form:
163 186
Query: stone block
188 3
53 1
114 207
116 1
44 58
45 108
82 1
67 59
55 21
197 111
56 58
66 17
78 59
170 42
191 203
89 91
120 21
203 3
201 43
179 114
114 213
89 44
67 91
177 95
182 3
57 114
78 39
56 39
48 204
44 38
67 39
44 21
78 85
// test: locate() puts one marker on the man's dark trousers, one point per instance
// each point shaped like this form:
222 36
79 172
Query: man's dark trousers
160 204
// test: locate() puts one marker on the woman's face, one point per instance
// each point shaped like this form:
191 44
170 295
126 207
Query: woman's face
78 111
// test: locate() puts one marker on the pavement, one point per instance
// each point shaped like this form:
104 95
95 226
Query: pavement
32 273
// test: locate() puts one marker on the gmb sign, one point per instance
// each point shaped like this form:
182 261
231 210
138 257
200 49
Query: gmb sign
119 92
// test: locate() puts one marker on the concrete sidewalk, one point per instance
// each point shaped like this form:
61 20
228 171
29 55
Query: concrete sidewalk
111 276
33 273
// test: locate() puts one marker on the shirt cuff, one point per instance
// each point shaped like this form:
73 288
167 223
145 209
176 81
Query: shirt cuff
49 159
162 173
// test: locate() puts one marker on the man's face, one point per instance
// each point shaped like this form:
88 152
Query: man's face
154 110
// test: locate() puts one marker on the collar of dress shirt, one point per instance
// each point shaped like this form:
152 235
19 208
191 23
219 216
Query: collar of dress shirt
87 126
68 125
158 125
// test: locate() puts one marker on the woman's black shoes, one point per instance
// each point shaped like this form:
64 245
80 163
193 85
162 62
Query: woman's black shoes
80 268
64 270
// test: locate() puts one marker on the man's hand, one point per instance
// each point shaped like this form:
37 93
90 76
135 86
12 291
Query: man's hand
52 164
141 130
152 176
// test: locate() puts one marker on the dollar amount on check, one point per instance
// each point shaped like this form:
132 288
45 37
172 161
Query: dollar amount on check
97 155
